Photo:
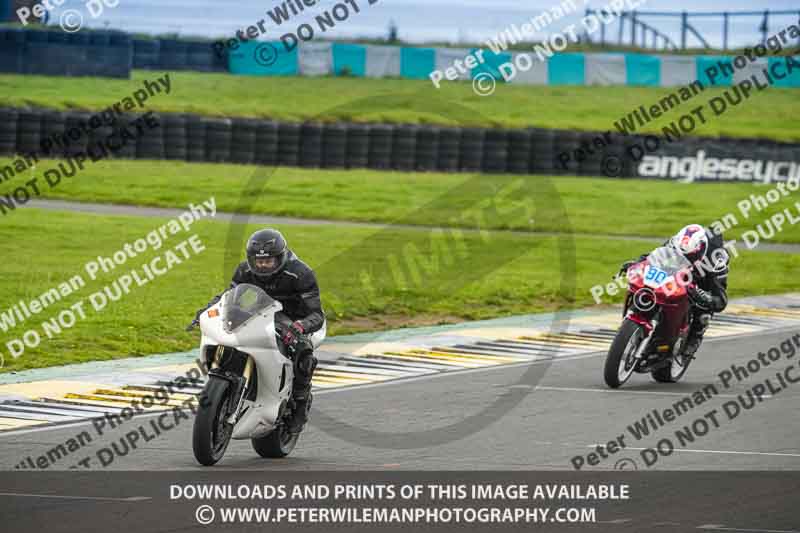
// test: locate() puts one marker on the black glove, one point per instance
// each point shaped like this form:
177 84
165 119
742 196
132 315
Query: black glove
196 321
624 268
700 297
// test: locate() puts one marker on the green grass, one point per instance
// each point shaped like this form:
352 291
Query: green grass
592 205
771 114
489 275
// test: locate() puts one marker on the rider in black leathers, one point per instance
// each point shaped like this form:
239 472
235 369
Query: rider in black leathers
301 324
708 290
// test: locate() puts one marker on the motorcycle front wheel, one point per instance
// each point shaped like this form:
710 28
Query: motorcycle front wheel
212 432
674 371
276 444
620 362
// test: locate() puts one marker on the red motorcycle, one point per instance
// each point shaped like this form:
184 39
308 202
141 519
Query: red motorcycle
656 325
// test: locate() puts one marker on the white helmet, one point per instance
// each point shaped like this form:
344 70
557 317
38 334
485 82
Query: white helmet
692 242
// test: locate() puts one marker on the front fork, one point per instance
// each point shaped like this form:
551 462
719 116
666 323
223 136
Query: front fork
244 384
652 325
240 383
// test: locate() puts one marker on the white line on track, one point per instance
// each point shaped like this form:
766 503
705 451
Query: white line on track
725 452
623 391
62 497
715 527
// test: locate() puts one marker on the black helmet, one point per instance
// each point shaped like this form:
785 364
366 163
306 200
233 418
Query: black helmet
266 252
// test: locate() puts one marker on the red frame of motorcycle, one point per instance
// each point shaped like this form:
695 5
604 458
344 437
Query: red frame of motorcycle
673 299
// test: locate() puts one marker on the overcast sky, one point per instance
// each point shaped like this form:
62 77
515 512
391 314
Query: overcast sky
417 20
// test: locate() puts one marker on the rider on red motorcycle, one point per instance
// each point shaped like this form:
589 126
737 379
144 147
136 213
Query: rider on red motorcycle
708 289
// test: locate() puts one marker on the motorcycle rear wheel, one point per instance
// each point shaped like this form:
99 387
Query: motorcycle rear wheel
212 432
619 366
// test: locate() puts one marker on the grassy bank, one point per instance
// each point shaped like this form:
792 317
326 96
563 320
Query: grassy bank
770 114
592 205
485 275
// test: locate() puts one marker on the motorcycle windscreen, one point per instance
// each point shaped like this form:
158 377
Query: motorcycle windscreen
664 263
242 303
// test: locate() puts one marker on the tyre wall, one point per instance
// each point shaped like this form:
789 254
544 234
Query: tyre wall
404 147
57 53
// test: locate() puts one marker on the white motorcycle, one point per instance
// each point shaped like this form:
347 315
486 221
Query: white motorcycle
248 393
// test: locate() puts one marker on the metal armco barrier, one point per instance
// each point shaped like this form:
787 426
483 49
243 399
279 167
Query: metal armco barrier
408 147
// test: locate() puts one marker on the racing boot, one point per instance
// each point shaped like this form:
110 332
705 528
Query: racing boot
304 365
302 406
696 332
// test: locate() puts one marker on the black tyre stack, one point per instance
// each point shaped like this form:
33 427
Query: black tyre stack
427 148
448 158
36 44
128 148
591 163
8 131
633 144
289 144
780 151
614 160
118 57
12 50
219 132
98 139
495 158
150 140
519 151
243 140
29 132
175 136
76 139
266 149
200 57
146 53
380 146
542 154
195 138
53 123
311 145
472 149
404 147
334 145
566 142
174 54
357 146
96 53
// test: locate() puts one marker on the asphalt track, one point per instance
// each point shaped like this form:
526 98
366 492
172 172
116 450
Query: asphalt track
568 413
